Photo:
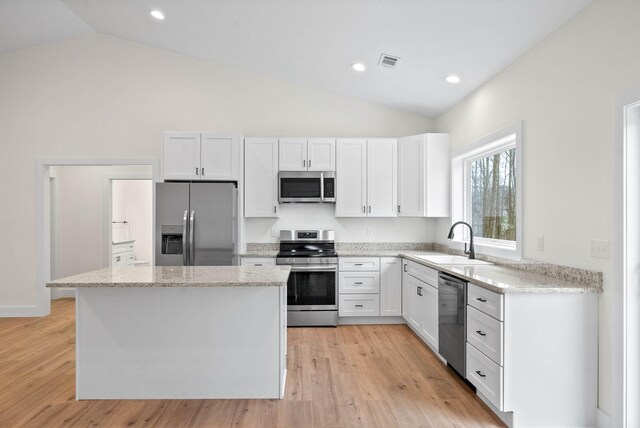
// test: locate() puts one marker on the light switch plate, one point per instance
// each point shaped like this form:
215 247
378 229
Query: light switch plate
600 249
540 243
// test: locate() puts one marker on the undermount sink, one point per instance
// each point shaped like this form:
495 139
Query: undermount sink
453 260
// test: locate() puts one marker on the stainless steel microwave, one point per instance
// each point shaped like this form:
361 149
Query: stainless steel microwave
306 187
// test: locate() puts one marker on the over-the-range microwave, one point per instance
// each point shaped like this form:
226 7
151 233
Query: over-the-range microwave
306 187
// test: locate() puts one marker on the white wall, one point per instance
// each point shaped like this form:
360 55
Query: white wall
132 201
97 95
564 90
306 216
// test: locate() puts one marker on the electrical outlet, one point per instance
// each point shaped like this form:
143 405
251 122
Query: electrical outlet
369 232
600 249
274 233
540 243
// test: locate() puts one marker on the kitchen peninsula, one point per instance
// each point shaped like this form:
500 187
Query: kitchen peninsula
162 332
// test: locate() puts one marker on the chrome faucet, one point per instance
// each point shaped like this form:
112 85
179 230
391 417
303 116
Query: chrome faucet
471 252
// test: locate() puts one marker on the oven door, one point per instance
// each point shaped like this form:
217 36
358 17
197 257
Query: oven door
299 187
312 288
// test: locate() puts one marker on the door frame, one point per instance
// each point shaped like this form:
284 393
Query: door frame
625 308
43 216
108 210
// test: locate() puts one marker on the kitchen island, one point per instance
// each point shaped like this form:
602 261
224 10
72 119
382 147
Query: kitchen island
161 332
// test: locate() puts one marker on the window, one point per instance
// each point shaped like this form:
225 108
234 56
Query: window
486 192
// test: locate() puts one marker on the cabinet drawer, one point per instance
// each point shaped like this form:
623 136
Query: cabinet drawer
485 333
258 261
485 375
360 263
359 282
359 305
121 248
423 273
130 260
119 260
486 301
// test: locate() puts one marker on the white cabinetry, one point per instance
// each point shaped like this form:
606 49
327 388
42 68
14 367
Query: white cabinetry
261 177
420 301
390 286
196 156
359 286
257 261
312 154
423 175
122 254
366 175
534 355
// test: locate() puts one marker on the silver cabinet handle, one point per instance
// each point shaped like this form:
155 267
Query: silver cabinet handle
192 246
185 261
358 264
309 163
481 333
359 306
117 258
358 283
364 209
196 170
275 209
419 291
203 172
257 264
480 373
481 300
405 268
398 208
304 163
369 209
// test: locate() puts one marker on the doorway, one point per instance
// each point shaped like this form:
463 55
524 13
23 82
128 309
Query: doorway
626 303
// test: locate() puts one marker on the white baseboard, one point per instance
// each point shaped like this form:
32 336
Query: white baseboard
506 417
602 419
370 320
19 311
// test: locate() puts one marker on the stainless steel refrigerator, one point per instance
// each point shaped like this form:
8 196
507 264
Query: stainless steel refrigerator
196 224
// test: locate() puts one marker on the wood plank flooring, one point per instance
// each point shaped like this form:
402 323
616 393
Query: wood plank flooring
350 376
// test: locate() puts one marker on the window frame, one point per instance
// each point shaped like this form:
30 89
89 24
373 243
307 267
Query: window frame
461 159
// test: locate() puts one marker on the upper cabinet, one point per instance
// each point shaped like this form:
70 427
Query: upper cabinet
366 176
423 176
307 154
261 177
195 156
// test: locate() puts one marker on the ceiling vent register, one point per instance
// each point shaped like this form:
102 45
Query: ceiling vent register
388 61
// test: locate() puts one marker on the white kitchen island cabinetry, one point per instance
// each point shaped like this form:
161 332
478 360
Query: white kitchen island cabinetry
366 177
200 156
261 177
423 176
195 332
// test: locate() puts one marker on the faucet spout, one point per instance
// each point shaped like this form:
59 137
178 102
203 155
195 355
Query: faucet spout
471 252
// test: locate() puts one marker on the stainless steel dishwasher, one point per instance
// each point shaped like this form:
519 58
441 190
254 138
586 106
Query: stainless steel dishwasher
452 321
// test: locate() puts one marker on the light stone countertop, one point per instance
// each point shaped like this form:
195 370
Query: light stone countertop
502 279
178 276
259 253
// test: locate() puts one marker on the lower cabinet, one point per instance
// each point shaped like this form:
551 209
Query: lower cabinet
369 287
420 303
258 261
122 254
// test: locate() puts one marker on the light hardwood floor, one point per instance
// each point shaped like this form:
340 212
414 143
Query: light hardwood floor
368 376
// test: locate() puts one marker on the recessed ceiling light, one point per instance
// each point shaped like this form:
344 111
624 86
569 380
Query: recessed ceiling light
157 14
452 79
357 66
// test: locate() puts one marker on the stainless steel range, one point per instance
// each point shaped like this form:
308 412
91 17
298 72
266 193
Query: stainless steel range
312 289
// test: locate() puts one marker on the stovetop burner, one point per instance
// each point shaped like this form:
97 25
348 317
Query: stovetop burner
307 244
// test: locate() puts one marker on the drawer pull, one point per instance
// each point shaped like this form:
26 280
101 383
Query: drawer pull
359 306
258 264
358 264
480 373
481 333
358 283
405 268
481 300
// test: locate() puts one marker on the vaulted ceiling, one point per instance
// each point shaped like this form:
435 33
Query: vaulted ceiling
314 42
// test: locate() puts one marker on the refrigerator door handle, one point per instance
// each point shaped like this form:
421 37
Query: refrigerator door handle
192 247
185 261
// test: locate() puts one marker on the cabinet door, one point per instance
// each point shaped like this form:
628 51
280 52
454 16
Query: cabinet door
413 303
382 184
181 156
411 170
293 154
261 177
351 177
438 175
218 157
405 291
429 315
321 154
390 286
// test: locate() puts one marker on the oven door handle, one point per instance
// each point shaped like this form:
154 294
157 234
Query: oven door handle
314 268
